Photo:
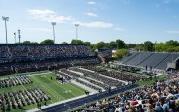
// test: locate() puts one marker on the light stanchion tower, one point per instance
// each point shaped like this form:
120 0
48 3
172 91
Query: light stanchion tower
19 33
76 26
14 37
53 25
5 19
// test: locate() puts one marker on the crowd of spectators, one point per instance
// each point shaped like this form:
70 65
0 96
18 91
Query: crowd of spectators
14 51
26 58
105 53
163 96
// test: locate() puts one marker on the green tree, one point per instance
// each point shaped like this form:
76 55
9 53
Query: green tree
121 53
87 43
113 45
131 45
100 45
47 41
148 46
93 47
78 42
26 42
172 43
139 47
120 44
160 47
34 43
176 49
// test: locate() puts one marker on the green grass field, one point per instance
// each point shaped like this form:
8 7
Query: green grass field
57 91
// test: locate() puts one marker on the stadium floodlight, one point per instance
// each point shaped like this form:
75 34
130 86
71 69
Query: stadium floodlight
19 33
14 37
76 26
5 19
53 25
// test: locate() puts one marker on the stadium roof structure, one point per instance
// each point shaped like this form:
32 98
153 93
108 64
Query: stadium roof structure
155 60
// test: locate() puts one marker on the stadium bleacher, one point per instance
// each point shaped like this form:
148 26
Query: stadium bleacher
154 60
139 58
26 57
170 58
151 59
128 58
161 97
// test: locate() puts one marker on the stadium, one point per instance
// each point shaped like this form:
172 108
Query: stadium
88 73
65 77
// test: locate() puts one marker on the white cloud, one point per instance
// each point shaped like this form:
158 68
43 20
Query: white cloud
173 31
91 14
119 29
95 24
48 15
91 2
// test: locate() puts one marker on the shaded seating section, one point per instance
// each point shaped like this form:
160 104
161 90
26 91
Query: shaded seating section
139 58
171 58
129 57
154 60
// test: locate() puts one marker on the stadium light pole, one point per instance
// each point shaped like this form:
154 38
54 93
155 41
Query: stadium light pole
14 37
53 25
76 26
5 19
19 33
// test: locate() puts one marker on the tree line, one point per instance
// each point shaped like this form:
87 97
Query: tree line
118 44
169 46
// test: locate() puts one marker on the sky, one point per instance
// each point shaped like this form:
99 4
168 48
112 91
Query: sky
133 21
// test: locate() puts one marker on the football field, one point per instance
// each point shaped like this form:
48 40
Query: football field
48 83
